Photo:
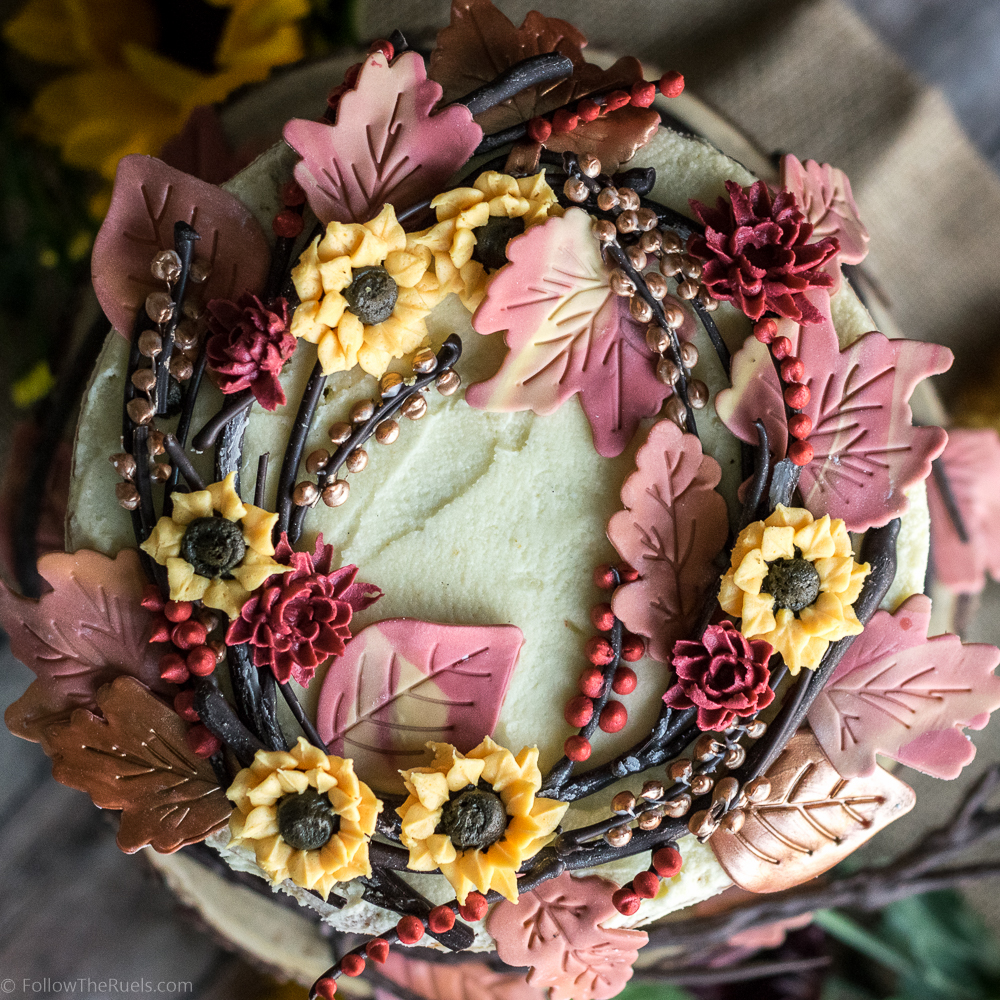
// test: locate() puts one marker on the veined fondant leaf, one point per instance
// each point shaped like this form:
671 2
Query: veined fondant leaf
464 981
614 138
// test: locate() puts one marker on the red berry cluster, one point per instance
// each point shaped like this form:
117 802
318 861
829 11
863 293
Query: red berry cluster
666 863
288 223
380 45
641 95
796 394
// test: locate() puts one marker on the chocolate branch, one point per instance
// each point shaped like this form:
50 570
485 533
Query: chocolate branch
549 67
184 240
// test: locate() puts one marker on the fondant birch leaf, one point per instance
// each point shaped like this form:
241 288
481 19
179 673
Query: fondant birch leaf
402 683
464 981
900 694
136 759
673 526
88 630
555 929
149 197
567 333
386 145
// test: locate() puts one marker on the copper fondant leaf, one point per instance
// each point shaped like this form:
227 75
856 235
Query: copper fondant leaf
464 981
812 819
136 759
612 138
149 197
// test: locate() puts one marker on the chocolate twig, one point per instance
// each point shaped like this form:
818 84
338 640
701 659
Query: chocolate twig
949 500
260 486
249 698
233 406
182 462
184 240
220 719
300 716
191 391
721 348
761 474
549 67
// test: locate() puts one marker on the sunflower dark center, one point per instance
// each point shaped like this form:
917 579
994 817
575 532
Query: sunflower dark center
492 240
371 295
213 546
307 821
475 819
793 583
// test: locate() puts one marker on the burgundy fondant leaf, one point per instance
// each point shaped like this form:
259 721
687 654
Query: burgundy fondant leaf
567 333
613 138
136 759
555 929
149 197
971 463
403 682
465 981
900 694
386 145
87 631
674 525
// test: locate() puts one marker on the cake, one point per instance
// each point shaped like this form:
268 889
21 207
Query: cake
509 503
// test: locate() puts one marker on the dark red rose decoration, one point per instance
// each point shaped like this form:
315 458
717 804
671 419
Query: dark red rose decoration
723 676
298 620
248 345
757 253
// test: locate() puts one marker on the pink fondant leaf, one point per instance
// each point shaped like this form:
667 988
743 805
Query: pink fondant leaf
900 694
555 929
464 981
404 682
673 526
567 333
971 462
87 631
149 197
386 145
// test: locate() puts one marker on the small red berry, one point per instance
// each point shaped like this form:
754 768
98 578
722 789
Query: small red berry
178 611
441 919
672 84
588 110
801 452
377 950
765 330
384 46
184 706
202 742
797 395
333 101
474 908
646 884
627 574
292 194
604 577
781 348
579 711
161 629
201 661
577 748
792 369
173 668
617 99
626 901
352 965
592 682
602 617
325 988
287 224
633 648
152 599
410 929
189 634
351 76
667 861
614 715
599 651
539 129
564 121
625 681
643 93
800 426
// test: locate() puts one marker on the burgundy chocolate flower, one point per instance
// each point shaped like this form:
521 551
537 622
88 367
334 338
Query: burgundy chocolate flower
723 676
758 255
297 620
247 346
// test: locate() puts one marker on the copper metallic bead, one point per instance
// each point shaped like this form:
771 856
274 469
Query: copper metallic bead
185 336
707 302
305 494
387 432
689 354
336 493
607 199
155 443
339 432
702 824
575 189
687 289
124 464
140 411
150 343
166 266
650 819
161 472
191 309
756 729
590 165
390 384
647 219
621 284
636 257
667 372
701 784
424 361
218 647
144 379
674 314
209 618
181 368
726 791
650 242
680 770
627 222
619 836
159 307
672 243
674 410
691 266
758 789
641 310
675 808
697 394
670 265
652 790
707 746
362 411
628 199
357 460
415 407
735 756
623 802
733 821
127 495
657 285
316 460
201 271
604 230
657 339
447 383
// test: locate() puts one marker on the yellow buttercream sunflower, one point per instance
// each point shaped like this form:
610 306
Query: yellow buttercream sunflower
306 816
216 548
365 290
516 204
476 816
793 582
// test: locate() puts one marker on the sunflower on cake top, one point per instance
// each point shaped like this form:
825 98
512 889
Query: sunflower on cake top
595 632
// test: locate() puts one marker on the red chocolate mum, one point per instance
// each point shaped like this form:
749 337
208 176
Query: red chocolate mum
723 676
758 255
298 620
247 346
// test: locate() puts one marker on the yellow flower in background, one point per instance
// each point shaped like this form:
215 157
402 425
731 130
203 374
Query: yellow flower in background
476 816
793 582
122 96
305 815
216 548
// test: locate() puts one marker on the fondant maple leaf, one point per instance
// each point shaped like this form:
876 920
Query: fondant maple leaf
613 138
87 631
464 981
136 759
403 682
673 526
867 451
386 145
971 462
567 333
555 929
900 694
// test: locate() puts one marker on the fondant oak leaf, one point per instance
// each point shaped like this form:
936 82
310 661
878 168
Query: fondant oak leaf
136 759
567 333
673 526
812 819
613 138
971 462
386 145
481 42
149 197
465 981
403 682
555 929
88 630
905 696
